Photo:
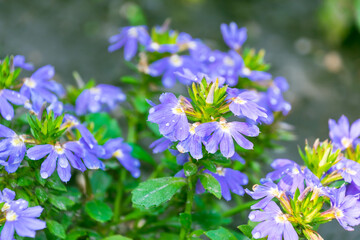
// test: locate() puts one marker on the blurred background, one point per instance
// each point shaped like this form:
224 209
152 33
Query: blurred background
314 44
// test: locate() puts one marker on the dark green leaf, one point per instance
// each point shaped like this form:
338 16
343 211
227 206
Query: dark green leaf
41 194
139 153
190 169
211 184
220 234
56 229
246 230
61 202
98 211
117 237
185 221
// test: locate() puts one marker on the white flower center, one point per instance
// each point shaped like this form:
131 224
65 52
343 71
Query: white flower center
275 192
350 171
295 170
5 207
176 61
220 171
281 218
224 125
193 127
246 71
178 109
133 32
228 61
346 142
30 82
239 100
180 148
59 150
118 153
17 141
339 213
11 216
155 46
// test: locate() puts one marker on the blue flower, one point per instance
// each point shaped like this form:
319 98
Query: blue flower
64 156
168 65
161 145
19 61
275 98
266 192
6 96
192 144
243 104
253 75
349 170
230 181
227 65
171 118
342 134
103 97
92 155
129 37
122 151
346 209
233 36
273 223
12 149
161 48
223 132
19 217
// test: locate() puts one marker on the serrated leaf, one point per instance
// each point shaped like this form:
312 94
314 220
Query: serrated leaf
211 184
98 210
154 192
220 234
56 229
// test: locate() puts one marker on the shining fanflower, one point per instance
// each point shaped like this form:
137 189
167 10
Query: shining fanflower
6 96
161 48
92 155
103 97
230 180
160 145
350 171
273 223
122 151
171 118
168 66
129 37
243 104
266 192
12 149
345 208
342 134
253 75
227 65
19 217
233 36
192 144
60 155
19 61
223 132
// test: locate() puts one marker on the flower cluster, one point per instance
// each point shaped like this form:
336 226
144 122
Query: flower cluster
330 175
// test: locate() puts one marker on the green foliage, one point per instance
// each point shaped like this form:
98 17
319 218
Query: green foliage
220 234
117 237
154 192
8 74
56 229
190 169
103 124
211 184
98 210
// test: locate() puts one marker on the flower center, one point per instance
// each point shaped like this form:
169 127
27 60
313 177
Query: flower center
346 142
30 83
275 192
155 46
228 61
5 207
239 100
220 171
350 171
246 71
11 216
281 218
17 141
176 61
224 125
193 127
180 148
295 170
178 110
339 213
118 153
133 32
58 149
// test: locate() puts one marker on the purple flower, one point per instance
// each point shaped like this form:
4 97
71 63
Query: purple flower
99 98
243 104
349 170
19 61
233 36
168 66
40 88
346 208
192 144
227 65
291 175
171 118
19 217
273 223
230 180
160 145
275 98
266 192
92 155
6 96
63 156
161 48
253 75
12 149
129 37
122 151
342 134
223 132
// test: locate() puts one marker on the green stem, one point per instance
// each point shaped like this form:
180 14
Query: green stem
131 138
119 196
188 207
89 192
239 209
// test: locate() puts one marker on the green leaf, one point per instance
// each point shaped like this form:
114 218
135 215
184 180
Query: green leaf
129 80
24 181
211 184
220 234
154 192
55 183
41 194
56 229
117 237
61 202
98 211
246 230
100 182
141 104
190 169
139 153
104 119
